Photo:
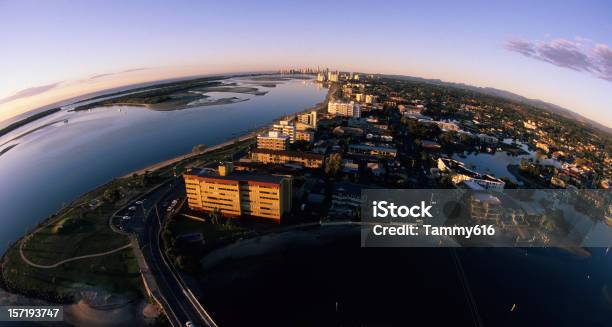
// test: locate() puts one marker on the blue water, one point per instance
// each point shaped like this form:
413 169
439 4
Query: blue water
83 150
496 164
333 281
491 163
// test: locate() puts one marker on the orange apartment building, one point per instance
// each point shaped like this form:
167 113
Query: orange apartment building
238 193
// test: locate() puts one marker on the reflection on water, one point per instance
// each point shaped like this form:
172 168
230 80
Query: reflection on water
497 163
216 97
329 280
53 165
490 163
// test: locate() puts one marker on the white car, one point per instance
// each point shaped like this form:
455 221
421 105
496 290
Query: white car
138 202
189 324
132 208
126 218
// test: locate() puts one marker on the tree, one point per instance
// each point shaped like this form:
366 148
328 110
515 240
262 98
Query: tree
447 182
333 164
465 138
112 195
509 183
167 238
448 138
181 262
215 216
199 148
144 179
554 221
301 145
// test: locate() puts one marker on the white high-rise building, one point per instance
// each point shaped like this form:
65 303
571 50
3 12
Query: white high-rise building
347 109
308 119
333 77
321 77
287 128
273 140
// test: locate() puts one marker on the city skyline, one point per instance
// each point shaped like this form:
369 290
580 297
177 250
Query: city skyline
64 49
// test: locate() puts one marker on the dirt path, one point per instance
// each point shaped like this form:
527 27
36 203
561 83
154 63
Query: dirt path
26 260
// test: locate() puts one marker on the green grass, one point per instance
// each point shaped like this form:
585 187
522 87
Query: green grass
222 154
156 95
76 230
116 273
212 232
82 236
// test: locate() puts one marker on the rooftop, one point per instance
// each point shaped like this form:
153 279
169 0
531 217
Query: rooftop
274 135
290 153
239 176
371 147
485 198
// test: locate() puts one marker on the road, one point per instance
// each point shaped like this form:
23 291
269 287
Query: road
145 222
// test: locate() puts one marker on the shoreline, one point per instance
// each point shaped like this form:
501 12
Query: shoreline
162 164
174 96
27 120
151 168
166 163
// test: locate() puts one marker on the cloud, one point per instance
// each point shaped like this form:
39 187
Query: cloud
30 92
579 55
121 72
101 75
523 47
134 69
36 90
604 61
566 54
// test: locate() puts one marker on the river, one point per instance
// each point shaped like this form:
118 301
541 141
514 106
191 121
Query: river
69 153
322 277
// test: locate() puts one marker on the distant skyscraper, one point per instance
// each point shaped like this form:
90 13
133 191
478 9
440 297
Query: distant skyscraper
321 77
333 77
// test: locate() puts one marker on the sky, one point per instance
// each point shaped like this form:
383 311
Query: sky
557 51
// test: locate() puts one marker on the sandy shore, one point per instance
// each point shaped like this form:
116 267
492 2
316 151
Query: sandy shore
83 314
168 162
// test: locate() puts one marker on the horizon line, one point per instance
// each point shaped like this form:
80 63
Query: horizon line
84 96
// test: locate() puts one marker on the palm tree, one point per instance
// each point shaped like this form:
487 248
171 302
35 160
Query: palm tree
215 216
